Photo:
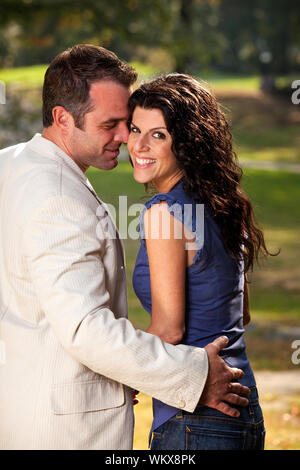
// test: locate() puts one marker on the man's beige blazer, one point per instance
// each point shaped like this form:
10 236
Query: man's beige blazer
69 358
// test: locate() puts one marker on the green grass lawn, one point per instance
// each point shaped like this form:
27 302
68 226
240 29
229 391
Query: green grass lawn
33 76
273 145
25 77
276 286
264 127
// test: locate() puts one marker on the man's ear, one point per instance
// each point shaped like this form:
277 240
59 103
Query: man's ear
62 119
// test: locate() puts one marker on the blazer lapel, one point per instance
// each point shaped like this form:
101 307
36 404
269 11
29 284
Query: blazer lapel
110 221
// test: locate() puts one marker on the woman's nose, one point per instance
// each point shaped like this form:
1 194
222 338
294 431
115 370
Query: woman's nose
141 143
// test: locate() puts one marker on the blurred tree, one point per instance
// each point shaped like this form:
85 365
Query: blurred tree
279 26
194 39
228 35
261 35
48 26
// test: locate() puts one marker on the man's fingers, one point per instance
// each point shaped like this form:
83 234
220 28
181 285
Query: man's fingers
220 343
236 396
236 373
236 400
227 410
221 389
239 389
233 399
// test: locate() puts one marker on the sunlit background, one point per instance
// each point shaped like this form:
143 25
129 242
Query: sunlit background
249 54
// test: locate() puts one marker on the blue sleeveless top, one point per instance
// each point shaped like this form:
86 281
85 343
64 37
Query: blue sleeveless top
214 288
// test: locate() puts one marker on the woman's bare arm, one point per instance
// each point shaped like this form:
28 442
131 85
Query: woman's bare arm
167 261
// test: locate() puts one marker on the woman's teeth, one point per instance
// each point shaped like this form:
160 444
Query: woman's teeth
144 161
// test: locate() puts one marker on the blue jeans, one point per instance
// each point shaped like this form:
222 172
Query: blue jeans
209 429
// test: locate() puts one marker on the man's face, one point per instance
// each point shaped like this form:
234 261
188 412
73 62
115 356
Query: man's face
104 130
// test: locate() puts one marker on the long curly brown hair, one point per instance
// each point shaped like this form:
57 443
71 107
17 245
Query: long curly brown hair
202 146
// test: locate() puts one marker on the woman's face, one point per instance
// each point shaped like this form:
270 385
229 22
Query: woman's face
149 145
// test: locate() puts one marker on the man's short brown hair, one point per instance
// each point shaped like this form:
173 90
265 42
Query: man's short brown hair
70 75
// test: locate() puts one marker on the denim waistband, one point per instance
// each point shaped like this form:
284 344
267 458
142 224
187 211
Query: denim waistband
253 397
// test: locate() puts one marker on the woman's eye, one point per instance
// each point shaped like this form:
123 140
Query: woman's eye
159 135
133 129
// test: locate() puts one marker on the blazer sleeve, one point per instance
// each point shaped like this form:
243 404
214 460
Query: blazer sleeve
64 252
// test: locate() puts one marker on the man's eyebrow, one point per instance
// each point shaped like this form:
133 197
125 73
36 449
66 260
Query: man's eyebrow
114 120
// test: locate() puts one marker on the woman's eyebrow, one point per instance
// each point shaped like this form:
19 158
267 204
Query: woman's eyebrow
152 129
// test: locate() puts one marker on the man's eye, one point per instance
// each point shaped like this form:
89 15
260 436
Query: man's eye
109 125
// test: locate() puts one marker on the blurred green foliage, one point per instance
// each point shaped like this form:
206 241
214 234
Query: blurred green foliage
253 36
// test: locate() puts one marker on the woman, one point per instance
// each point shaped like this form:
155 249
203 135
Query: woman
198 240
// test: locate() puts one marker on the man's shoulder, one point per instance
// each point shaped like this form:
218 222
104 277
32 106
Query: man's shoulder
8 154
54 181
35 177
12 148
54 193
21 156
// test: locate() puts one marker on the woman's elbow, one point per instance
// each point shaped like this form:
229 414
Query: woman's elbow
173 337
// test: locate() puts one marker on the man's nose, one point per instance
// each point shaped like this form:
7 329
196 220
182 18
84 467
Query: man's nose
122 133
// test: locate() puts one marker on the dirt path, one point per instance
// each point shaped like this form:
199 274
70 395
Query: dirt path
277 340
278 383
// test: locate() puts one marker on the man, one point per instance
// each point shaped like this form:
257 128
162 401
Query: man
72 359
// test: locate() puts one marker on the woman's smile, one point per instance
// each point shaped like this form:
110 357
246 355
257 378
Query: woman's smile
144 162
